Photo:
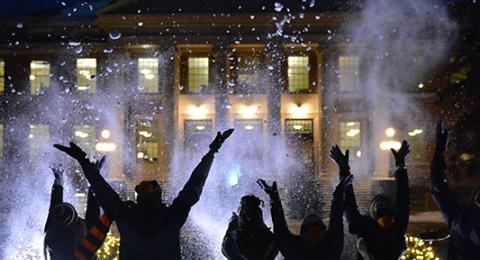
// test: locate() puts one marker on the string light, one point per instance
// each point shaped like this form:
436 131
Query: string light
110 248
417 249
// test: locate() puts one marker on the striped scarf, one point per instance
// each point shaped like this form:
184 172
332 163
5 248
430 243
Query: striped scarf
94 239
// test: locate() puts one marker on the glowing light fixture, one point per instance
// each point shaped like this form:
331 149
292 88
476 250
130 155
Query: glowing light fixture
248 127
81 134
105 133
390 132
297 127
149 76
358 153
415 132
140 155
387 145
299 110
353 132
30 136
197 111
145 134
32 77
420 85
105 147
80 195
248 111
200 127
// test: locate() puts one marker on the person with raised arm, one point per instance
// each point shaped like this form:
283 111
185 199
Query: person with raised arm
463 220
381 234
64 229
315 241
148 228
247 236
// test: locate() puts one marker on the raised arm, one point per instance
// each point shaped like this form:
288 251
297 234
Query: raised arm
403 194
335 224
280 227
190 194
443 196
93 210
56 196
106 195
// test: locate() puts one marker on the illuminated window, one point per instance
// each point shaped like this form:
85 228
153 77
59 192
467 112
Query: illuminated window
148 75
38 138
197 74
85 138
350 135
86 74
418 145
247 74
348 77
249 125
298 74
39 76
146 142
2 76
198 134
299 126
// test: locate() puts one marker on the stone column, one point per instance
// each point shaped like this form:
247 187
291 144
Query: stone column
275 59
219 80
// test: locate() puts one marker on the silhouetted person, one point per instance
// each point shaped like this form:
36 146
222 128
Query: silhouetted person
463 220
65 230
247 237
148 228
381 234
315 240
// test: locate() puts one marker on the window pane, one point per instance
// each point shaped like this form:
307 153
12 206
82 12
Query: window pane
197 134
85 138
39 76
298 70
299 126
197 74
86 74
247 74
417 143
146 142
350 135
38 138
2 76
148 75
349 79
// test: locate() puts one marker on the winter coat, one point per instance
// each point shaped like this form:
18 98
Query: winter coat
249 243
377 243
149 233
463 220
61 242
292 247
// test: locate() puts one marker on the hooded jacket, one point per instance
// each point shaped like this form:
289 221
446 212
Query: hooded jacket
463 220
149 231
293 247
379 244
61 241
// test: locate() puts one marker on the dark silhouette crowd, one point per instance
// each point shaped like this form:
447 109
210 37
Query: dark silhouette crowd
149 229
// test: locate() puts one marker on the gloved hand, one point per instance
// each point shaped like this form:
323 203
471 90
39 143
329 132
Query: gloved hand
74 151
341 160
219 139
441 137
272 191
340 189
401 154
58 174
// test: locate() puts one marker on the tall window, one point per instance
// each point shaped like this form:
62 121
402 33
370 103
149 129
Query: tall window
146 142
246 68
38 138
2 76
148 75
417 143
39 76
351 137
197 74
85 138
197 134
86 74
299 126
348 78
298 74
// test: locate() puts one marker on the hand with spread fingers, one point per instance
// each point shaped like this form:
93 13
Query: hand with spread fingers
99 163
441 137
74 151
272 191
58 174
220 139
341 160
401 154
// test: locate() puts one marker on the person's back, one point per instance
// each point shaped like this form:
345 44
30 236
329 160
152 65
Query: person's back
257 243
464 240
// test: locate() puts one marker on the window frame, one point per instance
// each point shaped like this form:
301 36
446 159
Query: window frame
139 76
184 73
40 89
93 87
